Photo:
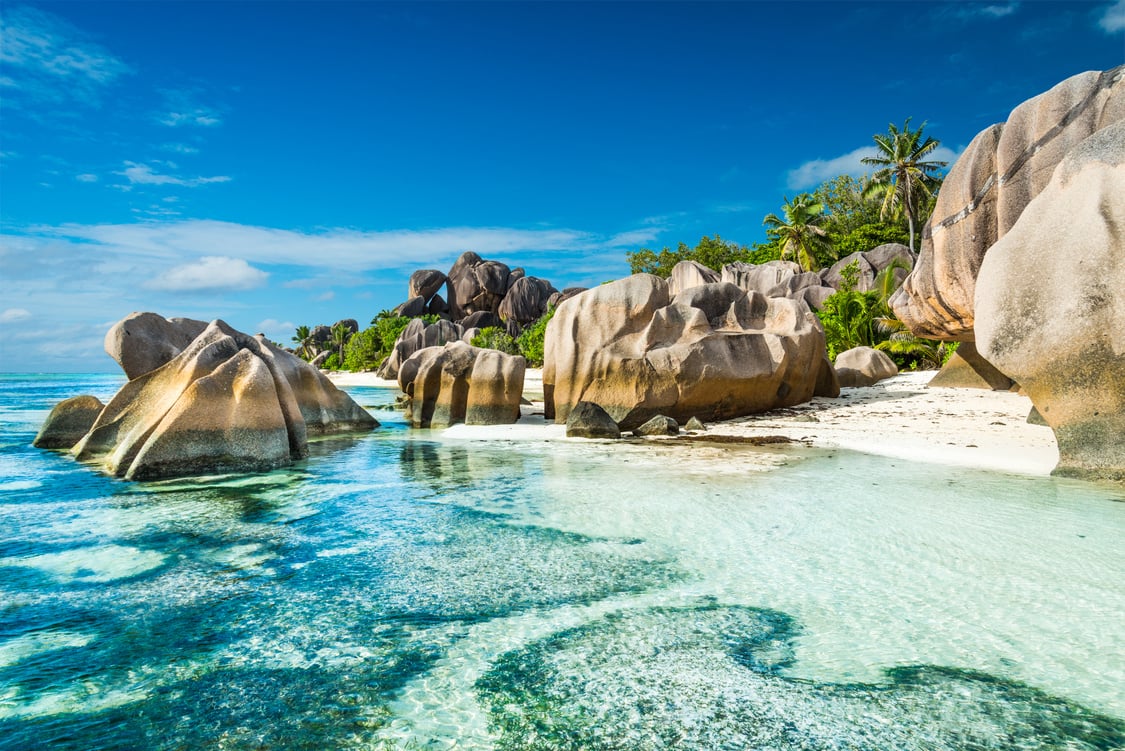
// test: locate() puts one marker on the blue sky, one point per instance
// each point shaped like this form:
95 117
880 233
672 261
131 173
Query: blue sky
275 164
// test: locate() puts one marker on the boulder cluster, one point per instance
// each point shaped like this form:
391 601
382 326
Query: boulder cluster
481 294
785 278
201 398
1024 256
712 351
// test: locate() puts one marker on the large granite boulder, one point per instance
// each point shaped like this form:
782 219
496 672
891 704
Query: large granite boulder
863 366
425 283
688 274
526 300
713 351
765 278
68 422
475 284
228 402
1050 305
412 308
460 383
141 342
986 192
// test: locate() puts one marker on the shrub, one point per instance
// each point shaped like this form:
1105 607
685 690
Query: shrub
530 342
494 337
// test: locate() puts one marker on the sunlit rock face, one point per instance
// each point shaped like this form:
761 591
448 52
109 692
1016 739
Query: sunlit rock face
225 402
987 190
713 351
458 383
1050 305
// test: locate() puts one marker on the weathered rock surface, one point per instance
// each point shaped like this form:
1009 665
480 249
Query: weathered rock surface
566 294
966 369
688 274
228 402
713 351
987 190
869 363
425 283
588 420
695 424
458 383
412 308
68 422
659 425
1050 305
141 342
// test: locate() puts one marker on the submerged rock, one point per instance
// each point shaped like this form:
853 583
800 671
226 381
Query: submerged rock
588 420
459 383
68 422
714 351
229 402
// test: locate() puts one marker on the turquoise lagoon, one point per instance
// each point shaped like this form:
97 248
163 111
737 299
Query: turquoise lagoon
409 590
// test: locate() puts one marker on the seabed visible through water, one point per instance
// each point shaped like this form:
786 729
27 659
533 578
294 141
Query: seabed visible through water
404 590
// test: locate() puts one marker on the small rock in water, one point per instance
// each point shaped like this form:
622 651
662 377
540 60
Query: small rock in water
695 424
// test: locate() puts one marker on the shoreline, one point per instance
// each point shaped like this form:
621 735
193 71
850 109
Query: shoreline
899 417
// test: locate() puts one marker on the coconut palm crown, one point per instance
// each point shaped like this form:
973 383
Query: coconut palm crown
904 180
799 234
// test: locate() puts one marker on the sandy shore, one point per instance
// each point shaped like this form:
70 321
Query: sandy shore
900 417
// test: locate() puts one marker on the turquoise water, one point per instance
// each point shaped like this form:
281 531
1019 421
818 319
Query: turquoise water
407 590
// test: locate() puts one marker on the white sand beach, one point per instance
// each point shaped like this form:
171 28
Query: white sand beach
900 417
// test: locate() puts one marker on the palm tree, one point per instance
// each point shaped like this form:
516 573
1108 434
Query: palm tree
903 179
304 341
799 234
340 335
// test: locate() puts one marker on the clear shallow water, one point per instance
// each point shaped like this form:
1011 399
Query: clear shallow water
402 590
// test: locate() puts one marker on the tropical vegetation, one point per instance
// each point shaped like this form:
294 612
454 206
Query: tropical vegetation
799 234
905 181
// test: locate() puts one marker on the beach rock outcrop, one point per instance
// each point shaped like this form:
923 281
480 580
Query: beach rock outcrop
416 336
459 383
228 402
1050 305
526 300
863 366
588 420
475 284
425 283
68 422
659 425
986 192
713 351
141 342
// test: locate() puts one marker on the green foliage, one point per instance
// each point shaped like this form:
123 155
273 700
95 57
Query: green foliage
799 234
845 207
332 362
494 337
304 341
849 315
714 253
530 342
364 350
867 236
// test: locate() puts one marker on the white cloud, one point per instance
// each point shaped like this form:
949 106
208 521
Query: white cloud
996 11
180 148
210 274
86 178
338 249
182 107
276 330
1113 19
326 296
143 174
51 59
198 116
813 173
11 315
